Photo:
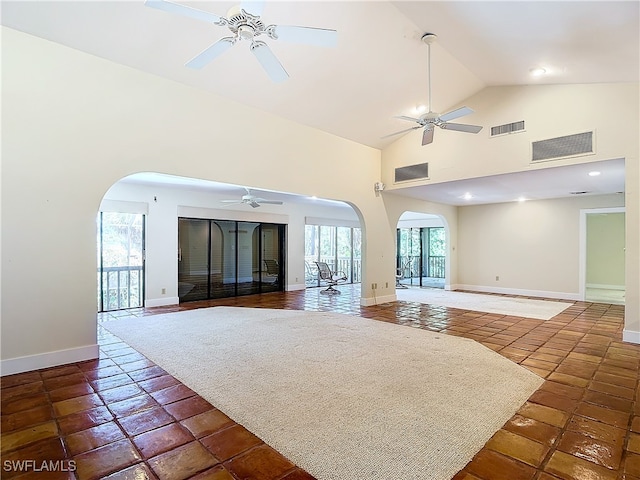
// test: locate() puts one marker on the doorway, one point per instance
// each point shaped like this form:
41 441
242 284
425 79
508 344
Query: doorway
602 259
121 239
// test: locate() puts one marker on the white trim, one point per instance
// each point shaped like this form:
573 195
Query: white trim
606 287
630 336
582 247
161 302
519 291
369 301
49 359
295 286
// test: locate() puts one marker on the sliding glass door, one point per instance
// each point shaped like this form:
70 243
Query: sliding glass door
338 247
225 258
421 256
120 260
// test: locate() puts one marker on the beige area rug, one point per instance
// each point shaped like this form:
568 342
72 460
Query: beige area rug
519 307
341 396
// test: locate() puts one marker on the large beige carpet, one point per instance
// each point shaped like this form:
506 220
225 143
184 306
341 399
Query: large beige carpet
341 396
519 307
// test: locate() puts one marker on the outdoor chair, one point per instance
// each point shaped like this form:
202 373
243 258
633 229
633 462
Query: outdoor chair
273 269
330 278
400 273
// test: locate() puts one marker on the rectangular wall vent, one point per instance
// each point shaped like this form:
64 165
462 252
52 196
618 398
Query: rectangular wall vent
412 172
507 128
568 146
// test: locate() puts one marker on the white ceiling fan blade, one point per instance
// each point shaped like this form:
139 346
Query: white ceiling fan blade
401 131
182 10
320 37
269 62
457 113
461 127
270 202
408 119
253 7
254 204
427 136
230 201
211 52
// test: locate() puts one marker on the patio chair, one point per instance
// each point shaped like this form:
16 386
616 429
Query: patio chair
273 269
310 274
400 271
330 278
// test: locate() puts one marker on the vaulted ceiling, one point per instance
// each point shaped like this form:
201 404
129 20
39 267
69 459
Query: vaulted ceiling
379 67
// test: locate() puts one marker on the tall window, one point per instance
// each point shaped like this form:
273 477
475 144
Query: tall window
120 260
338 247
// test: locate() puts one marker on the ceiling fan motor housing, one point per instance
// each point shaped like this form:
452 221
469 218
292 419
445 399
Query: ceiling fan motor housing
243 24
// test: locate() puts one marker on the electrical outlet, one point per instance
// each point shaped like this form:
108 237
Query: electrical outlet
164 291
386 284
497 278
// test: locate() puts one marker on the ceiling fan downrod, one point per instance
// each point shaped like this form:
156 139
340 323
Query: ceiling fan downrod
429 38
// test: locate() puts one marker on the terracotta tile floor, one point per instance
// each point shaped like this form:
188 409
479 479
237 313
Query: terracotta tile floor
122 417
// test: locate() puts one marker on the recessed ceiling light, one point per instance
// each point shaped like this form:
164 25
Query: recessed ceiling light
538 71
313 198
594 174
522 199
467 196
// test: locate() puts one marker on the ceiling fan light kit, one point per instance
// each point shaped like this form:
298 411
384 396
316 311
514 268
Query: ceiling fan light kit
429 120
247 26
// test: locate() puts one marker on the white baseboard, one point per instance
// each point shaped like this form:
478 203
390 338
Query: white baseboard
605 287
48 359
368 301
630 336
295 286
518 291
161 302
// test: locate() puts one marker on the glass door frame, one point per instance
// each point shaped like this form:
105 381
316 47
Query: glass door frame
142 281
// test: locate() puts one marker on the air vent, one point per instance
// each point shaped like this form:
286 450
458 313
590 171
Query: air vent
560 147
412 172
507 128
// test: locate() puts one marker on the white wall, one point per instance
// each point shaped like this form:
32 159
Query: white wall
612 110
533 247
74 124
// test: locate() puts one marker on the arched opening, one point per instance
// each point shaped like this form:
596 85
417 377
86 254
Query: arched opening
204 240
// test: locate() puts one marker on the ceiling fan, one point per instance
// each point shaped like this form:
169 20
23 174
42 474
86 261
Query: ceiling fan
428 121
252 200
245 23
